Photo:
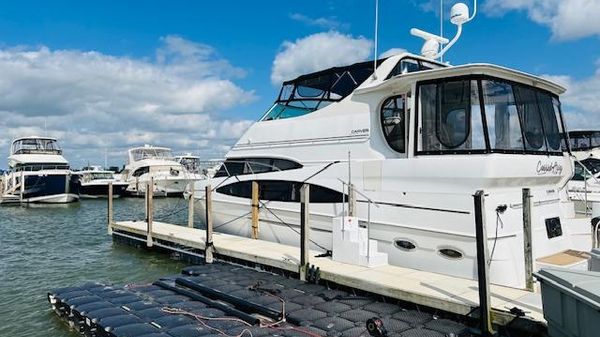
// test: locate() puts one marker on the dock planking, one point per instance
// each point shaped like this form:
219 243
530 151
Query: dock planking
451 294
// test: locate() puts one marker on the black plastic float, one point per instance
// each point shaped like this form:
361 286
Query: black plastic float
229 300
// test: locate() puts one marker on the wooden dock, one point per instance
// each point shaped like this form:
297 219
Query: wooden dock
447 293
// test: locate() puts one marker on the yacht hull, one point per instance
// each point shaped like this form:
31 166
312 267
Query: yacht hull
279 222
46 187
92 191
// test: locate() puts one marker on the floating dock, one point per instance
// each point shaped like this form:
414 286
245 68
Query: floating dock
450 294
222 299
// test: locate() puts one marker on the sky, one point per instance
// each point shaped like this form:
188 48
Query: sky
104 76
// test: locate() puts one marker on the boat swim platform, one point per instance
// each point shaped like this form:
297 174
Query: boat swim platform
447 293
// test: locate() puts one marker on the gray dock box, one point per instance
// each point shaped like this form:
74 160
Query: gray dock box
571 301
594 262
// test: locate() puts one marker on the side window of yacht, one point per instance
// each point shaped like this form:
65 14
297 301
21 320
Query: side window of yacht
282 191
241 166
578 174
393 122
141 171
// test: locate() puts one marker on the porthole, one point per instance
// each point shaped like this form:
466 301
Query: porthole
404 244
451 253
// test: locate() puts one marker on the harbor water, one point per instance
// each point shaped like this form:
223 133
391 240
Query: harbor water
45 247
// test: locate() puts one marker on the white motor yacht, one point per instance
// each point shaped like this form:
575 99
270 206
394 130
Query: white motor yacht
93 183
170 177
38 173
423 137
192 165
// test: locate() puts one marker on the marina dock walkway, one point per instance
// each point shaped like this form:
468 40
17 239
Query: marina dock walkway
451 294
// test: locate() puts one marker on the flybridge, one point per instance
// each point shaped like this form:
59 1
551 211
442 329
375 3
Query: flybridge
314 91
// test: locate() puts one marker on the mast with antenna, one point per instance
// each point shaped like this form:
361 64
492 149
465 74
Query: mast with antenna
376 38
442 26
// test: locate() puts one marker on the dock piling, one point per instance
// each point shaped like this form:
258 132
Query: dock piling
304 230
191 207
255 193
208 245
150 209
527 235
482 266
110 207
22 187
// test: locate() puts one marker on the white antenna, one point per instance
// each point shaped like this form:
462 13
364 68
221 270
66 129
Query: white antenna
459 15
376 38
105 158
441 25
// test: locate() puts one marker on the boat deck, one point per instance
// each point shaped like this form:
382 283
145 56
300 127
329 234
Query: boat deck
448 293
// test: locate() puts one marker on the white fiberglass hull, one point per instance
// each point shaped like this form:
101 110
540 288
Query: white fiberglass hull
162 186
279 222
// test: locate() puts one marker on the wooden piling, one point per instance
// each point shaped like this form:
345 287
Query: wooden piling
255 205
483 266
191 207
527 237
110 207
22 190
304 230
208 246
150 209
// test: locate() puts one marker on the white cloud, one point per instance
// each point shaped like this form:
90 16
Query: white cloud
93 101
581 103
321 22
316 52
568 19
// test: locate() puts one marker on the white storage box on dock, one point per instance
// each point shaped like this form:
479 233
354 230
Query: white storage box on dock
571 300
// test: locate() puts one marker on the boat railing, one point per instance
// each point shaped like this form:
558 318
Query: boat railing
586 171
40 167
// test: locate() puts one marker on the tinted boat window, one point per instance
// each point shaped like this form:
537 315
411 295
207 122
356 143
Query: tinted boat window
518 118
502 116
241 166
531 119
282 191
451 116
393 114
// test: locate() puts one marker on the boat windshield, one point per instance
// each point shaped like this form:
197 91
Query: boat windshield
191 164
584 140
35 146
151 152
101 175
481 114
311 92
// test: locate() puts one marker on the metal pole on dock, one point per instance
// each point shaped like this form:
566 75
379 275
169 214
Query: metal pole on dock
208 245
150 209
527 237
191 207
110 207
255 193
482 266
304 230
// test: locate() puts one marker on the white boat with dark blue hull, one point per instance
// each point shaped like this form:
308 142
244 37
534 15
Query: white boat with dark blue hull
38 173
93 183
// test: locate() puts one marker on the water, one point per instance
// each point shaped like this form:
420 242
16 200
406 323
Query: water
45 247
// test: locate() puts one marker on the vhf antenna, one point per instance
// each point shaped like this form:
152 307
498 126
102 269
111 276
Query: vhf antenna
376 38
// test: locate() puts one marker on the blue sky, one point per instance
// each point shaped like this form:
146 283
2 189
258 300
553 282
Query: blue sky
103 74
